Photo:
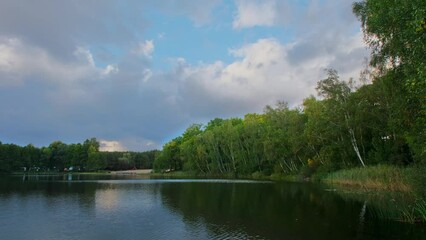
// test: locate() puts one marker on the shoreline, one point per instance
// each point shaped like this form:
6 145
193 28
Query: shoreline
372 178
120 172
133 172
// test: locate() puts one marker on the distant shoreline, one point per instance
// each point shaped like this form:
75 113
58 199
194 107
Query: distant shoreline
120 172
132 172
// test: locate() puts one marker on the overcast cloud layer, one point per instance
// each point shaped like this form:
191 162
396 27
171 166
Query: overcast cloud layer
71 70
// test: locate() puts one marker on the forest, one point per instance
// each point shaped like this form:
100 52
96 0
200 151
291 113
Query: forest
59 157
378 119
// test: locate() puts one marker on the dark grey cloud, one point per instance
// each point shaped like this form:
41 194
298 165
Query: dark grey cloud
121 107
59 26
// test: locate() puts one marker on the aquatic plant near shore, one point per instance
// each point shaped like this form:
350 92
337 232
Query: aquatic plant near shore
420 208
380 177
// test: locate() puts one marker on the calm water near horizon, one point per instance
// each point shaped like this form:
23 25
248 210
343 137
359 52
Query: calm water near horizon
128 207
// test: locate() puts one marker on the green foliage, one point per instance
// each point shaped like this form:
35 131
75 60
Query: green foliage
170 158
94 162
413 213
241 147
395 31
59 156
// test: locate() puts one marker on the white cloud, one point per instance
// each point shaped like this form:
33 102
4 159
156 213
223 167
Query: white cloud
145 48
110 69
251 13
127 144
20 61
111 146
261 76
147 74
84 55
263 73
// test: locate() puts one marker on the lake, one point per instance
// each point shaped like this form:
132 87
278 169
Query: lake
136 207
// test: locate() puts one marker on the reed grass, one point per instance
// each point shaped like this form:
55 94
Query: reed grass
420 208
415 213
380 177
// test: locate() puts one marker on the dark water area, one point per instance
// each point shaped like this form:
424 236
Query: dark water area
127 207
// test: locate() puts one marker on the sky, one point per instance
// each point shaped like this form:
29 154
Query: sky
135 74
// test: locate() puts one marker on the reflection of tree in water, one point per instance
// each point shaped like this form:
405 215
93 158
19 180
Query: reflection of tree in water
383 212
272 211
51 188
208 209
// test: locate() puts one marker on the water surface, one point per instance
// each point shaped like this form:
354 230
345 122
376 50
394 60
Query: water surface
125 207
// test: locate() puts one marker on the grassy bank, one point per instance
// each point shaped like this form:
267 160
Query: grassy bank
254 176
370 178
174 174
380 177
189 174
381 186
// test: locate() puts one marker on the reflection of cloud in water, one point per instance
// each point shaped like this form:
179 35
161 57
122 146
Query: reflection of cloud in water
106 199
126 198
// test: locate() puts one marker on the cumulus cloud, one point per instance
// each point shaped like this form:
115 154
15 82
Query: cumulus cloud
251 13
110 69
84 55
147 74
20 61
124 145
111 146
145 48
263 72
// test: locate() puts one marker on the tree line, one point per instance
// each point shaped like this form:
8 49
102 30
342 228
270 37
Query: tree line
347 125
59 156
